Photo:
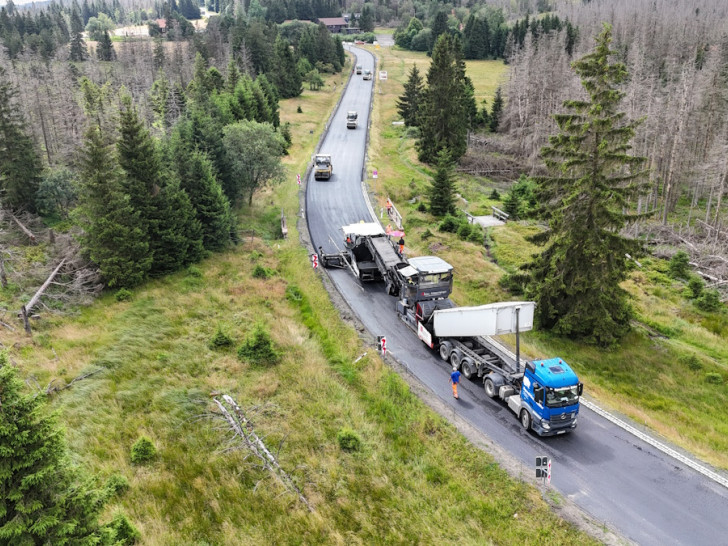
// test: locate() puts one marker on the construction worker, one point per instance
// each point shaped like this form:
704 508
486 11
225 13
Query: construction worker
388 229
389 207
455 379
401 245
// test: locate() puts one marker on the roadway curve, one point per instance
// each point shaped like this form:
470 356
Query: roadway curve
615 477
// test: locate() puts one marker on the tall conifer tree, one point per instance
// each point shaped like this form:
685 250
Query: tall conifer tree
408 104
113 236
39 501
20 164
444 115
442 192
576 279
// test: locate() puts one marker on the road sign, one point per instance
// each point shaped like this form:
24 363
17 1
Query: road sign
314 260
543 467
548 475
382 75
298 179
375 174
382 342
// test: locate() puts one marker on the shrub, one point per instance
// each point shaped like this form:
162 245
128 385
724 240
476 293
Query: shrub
422 207
709 300
695 287
143 451
465 230
124 532
348 440
262 272
691 362
515 283
449 224
117 485
258 348
427 234
194 271
714 378
494 195
220 340
679 267
298 110
293 293
123 294
476 234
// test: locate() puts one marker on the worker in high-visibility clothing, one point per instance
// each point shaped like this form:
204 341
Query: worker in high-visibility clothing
455 379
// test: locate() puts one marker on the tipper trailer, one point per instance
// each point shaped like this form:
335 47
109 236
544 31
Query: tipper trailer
544 394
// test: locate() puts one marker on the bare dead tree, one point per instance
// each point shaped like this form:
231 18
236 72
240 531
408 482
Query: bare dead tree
246 438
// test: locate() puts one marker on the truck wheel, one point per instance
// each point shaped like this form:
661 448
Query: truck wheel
455 360
445 347
525 419
489 388
466 366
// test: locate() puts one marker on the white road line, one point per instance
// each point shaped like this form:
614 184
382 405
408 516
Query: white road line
705 471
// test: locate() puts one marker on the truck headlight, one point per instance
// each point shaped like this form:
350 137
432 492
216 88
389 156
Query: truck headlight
545 424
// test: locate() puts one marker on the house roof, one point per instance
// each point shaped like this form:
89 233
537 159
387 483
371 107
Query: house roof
332 21
162 23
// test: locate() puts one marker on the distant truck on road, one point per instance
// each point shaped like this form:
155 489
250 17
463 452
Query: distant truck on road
322 167
358 69
351 117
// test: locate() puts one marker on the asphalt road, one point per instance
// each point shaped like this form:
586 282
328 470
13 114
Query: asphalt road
645 495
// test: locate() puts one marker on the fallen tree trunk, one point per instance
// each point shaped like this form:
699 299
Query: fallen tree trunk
24 229
34 300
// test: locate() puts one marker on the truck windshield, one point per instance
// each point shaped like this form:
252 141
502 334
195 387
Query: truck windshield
434 278
565 396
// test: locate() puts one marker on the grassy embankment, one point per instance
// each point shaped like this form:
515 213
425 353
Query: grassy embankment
674 384
414 480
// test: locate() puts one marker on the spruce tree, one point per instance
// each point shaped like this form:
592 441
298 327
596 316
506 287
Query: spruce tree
442 192
439 27
443 118
113 236
576 279
212 208
105 49
286 77
366 19
408 104
40 503
176 236
20 164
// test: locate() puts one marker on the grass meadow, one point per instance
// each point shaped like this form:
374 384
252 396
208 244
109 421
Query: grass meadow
670 373
413 480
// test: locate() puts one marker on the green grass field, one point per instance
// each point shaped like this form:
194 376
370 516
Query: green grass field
675 382
414 478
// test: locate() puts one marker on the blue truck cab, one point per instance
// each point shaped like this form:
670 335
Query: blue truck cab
549 395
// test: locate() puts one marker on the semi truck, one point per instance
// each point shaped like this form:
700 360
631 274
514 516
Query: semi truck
544 394
322 167
351 119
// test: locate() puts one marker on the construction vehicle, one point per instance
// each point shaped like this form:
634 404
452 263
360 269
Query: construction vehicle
544 394
351 117
322 167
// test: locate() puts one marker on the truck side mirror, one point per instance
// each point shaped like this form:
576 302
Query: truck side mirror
530 366
581 388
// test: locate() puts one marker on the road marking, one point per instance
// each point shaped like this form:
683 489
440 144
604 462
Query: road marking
705 471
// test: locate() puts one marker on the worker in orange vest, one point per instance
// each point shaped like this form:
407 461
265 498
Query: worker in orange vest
389 207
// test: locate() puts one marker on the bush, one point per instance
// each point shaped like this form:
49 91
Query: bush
450 224
298 110
124 532
427 234
691 362
220 340
494 195
262 272
714 378
194 271
679 267
515 283
348 440
123 295
422 207
465 230
143 451
117 485
476 234
709 301
695 287
258 348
